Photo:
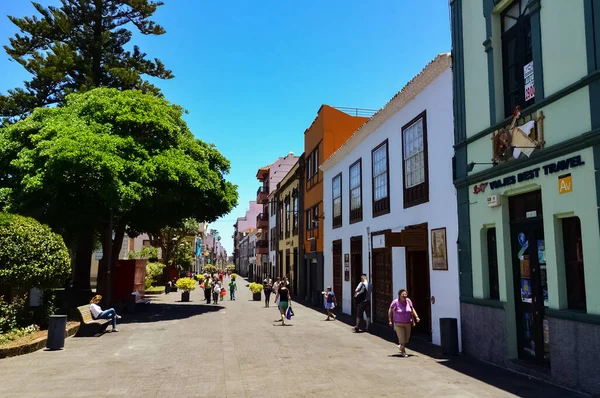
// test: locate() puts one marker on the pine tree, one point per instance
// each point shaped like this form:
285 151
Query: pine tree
79 46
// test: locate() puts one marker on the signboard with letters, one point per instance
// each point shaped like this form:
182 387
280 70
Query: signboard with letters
528 78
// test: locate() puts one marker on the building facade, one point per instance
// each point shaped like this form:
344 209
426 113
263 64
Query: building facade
242 224
527 153
269 176
387 192
245 252
288 226
329 130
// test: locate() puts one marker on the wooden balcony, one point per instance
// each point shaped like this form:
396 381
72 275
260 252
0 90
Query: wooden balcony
262 195
262 247
262 221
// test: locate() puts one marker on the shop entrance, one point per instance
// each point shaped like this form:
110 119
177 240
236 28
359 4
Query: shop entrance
529 274
337 270
417 284
356 258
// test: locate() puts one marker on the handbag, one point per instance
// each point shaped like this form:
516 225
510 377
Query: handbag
289 313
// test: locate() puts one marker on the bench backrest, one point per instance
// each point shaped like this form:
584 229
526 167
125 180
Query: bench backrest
86 315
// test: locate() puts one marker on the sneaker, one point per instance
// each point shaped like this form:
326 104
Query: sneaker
114 330
118 316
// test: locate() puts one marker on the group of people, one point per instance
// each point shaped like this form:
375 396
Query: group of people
401 314
283 296
214 287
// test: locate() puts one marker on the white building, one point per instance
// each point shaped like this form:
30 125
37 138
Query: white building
387 231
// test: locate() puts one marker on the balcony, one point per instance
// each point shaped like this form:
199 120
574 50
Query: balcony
262 195
262 247
262 221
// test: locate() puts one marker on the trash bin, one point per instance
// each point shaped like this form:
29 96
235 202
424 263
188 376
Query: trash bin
57 326
449 336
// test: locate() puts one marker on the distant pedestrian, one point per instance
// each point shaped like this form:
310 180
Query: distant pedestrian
276 289
362 293
402 316
232 289
216 292
98 313
330 303
208 287
268 289
284 298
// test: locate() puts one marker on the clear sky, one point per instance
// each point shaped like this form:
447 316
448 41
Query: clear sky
253 74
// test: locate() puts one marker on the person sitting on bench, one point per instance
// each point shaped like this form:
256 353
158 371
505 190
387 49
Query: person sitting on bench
97 312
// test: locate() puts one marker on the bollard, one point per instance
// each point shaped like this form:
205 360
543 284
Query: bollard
57 326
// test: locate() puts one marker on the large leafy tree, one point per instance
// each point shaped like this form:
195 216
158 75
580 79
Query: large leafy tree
78 46
106 162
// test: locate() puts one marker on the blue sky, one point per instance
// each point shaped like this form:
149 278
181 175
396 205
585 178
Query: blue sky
253 74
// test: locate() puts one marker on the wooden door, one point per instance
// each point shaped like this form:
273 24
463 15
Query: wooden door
356 268
417 277
337 269
382 284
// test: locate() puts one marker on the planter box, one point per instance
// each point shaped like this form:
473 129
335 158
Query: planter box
256 296
185 297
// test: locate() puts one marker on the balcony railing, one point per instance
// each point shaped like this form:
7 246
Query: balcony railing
262 220
262 247
262 194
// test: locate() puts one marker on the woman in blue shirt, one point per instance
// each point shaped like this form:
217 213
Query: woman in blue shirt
330 303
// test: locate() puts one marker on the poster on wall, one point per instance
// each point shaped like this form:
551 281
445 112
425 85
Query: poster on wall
528 77
346 267
439 253
526 296
525 268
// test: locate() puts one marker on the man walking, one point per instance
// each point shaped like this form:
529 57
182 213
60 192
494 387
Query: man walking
362 293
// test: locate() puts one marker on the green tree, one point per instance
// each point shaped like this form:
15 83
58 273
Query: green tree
169 238
110 161
78 46
31 254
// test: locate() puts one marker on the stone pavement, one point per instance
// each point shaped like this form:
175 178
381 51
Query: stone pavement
235 349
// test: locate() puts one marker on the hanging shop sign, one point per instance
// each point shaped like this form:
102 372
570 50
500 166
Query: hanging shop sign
529 86
565 184
531 174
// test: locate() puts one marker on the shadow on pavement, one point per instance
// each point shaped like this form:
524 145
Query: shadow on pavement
157 312
506 380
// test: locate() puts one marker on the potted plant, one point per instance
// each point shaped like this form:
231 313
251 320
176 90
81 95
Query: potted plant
186 285
256 289
233 276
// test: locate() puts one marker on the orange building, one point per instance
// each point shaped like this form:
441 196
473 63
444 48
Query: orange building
327 133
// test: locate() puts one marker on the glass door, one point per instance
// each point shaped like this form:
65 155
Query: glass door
531 287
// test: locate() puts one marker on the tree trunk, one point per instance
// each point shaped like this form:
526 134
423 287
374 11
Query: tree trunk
83 259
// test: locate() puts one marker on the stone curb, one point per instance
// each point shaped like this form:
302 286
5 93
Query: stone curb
35 345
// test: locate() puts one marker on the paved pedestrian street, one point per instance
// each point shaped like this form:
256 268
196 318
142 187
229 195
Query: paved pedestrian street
235 349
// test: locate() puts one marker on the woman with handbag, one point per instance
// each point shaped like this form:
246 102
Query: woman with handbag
284 297
402 316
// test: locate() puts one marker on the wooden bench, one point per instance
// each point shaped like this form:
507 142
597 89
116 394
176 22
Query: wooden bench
90 326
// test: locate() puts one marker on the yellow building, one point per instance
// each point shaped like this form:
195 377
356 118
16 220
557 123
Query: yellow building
288 213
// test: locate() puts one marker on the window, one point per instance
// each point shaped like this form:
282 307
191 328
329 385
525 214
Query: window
516 56
574 273
312 166
414 157
315 216
287 217
492 257
309 163
381 201
315 158
295 220
280 204
336 192
356 191
309 220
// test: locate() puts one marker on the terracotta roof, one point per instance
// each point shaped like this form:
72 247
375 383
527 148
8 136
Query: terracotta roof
429 73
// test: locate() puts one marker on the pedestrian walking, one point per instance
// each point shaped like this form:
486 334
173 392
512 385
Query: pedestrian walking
208 287
284 298
98 313
232 289
267 288
402 316
330 303
362 293
216 292
276 290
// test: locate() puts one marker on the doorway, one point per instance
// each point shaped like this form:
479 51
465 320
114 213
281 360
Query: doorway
356 267
295 273
529 274
417 284
382 284
337 269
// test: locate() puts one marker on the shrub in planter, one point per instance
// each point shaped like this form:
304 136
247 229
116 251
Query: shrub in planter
210 269
255 287
200 278
31 255
234 276
186 285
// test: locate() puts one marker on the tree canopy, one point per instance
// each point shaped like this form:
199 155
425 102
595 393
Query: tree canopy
78 46
110 157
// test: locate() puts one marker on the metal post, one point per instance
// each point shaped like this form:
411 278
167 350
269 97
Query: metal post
108 254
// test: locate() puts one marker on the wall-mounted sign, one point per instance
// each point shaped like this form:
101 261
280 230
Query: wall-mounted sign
439 254
480 188
565 184
550 168
493 200
529 86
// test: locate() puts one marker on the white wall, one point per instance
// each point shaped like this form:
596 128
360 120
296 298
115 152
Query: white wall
439 212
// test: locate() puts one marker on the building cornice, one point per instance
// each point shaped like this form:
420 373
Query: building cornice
414 87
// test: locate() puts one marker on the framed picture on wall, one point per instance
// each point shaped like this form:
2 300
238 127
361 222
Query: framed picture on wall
439 252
